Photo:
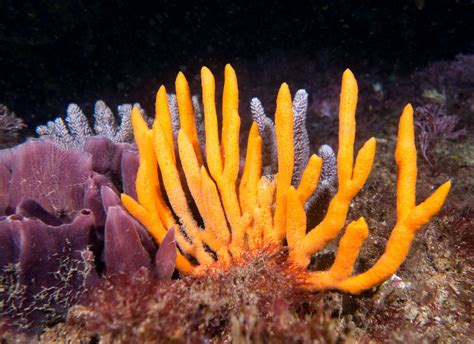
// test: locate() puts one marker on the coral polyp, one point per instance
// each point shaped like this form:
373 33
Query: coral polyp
222 212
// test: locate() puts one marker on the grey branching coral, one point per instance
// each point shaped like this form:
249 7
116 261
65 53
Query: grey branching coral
75 129
174 112
266 129
327 181
300 133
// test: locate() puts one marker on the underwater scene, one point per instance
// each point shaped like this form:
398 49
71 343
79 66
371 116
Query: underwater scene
237 172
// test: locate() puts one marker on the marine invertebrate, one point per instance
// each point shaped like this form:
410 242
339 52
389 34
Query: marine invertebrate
240 215
62 225
174 112
266 130
44 269
74 131
10 126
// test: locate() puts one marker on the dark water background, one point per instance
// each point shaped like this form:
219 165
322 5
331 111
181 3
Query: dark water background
56 52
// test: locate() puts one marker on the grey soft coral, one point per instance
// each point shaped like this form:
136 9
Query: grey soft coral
75 129
266 129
